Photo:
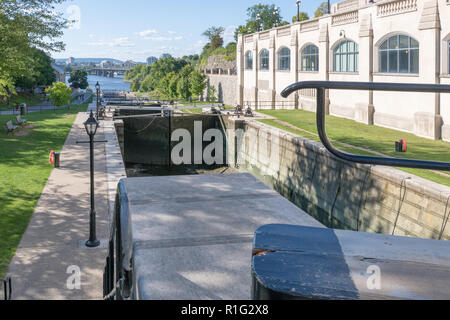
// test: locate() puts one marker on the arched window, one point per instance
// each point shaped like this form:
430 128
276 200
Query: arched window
346 56
399 54
284 59
264 60
310 58
448 57
249 60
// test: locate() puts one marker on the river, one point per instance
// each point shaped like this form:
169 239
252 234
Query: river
108 84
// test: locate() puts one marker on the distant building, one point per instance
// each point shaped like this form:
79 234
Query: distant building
151 60
106 64
59 73
71 60
165 55
129 64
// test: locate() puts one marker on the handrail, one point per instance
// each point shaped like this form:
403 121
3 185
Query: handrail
7 288
322 86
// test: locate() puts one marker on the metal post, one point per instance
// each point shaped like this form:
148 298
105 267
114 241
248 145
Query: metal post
96 114
92 242
329 7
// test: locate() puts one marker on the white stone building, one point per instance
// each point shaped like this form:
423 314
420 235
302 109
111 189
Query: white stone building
403 41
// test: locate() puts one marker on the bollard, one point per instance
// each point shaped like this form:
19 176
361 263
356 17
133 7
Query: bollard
57 158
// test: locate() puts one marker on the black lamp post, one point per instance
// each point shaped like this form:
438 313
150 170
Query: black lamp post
298 10
91 126
97 87
329 7
259 21
277 15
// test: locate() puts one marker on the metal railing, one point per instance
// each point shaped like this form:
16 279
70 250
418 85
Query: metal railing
7 288
117 276
322 86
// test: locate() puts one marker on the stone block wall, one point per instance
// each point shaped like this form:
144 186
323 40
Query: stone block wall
340 194
226 88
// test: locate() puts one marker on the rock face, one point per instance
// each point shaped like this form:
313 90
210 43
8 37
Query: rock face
219 62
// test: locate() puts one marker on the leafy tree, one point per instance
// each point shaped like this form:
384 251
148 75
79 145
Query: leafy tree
321 10
268 19
184 85
59 94
214 34
146 84
173 86
164 66
211 94
135 86
184 88
78 79
40 71
303 16
197 82
25 25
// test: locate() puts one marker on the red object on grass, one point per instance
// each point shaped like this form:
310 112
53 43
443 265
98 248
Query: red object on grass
405 145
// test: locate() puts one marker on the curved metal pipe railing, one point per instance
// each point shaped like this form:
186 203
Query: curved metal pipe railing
322 86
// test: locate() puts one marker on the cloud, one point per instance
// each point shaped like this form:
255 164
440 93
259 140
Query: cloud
147 33
172 32
123 42
164 39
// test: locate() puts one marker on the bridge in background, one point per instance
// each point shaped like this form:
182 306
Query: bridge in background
107 72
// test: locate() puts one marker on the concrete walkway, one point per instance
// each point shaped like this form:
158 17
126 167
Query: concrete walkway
54 240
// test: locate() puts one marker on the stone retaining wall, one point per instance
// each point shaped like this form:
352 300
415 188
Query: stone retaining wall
342 194
226 88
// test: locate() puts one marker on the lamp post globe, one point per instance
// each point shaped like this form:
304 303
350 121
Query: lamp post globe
91 125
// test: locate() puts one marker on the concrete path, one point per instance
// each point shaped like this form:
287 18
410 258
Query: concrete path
54 240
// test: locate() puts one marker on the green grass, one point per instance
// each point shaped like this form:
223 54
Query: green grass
24 169
29 99
369 137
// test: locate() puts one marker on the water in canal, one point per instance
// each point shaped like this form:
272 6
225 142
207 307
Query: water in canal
109 84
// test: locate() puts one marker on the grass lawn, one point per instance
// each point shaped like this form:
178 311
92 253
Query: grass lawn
24 169
369 137
29 99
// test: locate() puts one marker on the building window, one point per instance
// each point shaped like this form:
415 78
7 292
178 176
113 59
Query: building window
399 54
310 58
264 60
284 59
249 60
346 56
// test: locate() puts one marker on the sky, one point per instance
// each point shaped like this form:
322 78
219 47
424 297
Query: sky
137 29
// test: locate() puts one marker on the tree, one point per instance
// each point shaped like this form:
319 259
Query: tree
25 25
303 16
184 85
211 94
214 34
135 86
268 19
197 82
321 10
59 94
78 79
40 73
